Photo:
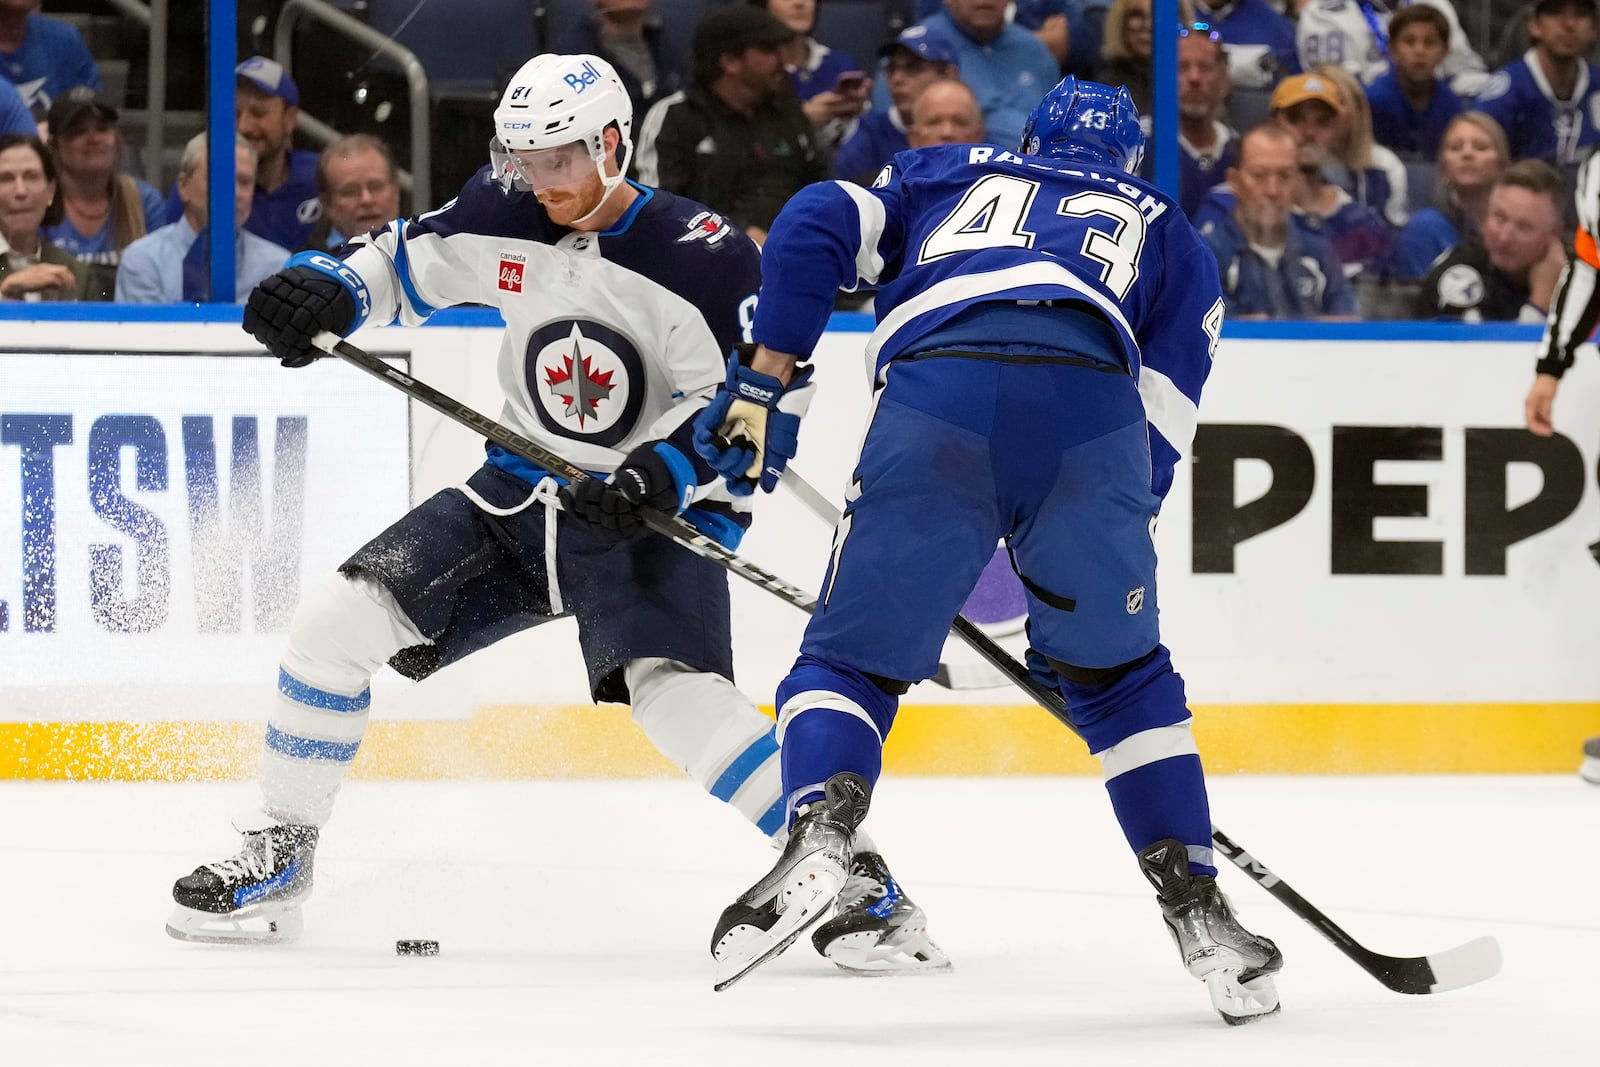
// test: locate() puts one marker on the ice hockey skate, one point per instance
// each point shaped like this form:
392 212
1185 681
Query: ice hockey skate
1236 965
796 893
1589 771
876 929
252 898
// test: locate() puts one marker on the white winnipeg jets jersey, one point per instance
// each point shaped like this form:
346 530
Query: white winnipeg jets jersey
612 339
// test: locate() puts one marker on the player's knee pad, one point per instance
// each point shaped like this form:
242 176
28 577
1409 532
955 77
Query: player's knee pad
1096 676
1112 703
895 687
344 629
706 726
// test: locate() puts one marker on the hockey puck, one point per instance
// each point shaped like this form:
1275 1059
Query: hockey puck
416 948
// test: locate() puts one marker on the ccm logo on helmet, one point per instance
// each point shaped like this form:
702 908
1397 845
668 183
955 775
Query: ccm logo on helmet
581 79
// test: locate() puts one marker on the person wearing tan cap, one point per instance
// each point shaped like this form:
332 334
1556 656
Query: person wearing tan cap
1311 106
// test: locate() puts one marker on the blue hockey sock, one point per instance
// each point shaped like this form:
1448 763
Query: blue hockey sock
830 719
1164 799
1138 727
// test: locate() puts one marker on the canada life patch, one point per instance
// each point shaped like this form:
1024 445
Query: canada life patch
511 267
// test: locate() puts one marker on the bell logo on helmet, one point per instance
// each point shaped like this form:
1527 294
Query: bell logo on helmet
581 79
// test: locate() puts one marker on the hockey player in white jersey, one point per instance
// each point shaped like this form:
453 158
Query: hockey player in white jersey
620 302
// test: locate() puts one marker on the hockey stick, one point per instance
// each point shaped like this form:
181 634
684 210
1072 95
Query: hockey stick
669 526
1463 965
1438 972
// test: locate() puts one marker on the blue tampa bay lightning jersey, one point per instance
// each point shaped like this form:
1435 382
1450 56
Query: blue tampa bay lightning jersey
612 339
947 229
1519 97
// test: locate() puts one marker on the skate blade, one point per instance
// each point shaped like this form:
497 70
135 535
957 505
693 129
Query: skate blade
1242 1002
265 924
806 908
861 954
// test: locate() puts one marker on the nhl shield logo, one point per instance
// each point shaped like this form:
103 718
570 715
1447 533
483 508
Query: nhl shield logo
1135 600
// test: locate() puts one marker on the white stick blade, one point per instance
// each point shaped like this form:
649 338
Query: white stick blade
1476 961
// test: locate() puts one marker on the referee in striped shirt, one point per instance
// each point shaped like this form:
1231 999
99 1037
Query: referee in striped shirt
1573 314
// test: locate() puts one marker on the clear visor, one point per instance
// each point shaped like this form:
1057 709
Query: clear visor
552 168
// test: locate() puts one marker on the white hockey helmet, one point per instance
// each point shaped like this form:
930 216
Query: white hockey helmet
555 100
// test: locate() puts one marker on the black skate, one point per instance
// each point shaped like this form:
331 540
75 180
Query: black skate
250 899
876 929
1590 770
1236 965
796 893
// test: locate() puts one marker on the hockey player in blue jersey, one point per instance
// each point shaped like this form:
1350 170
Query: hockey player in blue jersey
620 302
1045 324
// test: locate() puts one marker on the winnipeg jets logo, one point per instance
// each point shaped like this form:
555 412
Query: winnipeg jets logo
706 226
578 385
584 380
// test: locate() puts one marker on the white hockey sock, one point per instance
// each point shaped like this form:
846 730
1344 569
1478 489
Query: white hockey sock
344 630
710 729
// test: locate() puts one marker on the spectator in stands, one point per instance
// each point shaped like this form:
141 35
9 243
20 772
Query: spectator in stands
1051 22
833 88
647 52
1259 41
1310 107
1360 166
1546 101
43 57
946 112
14 114
1410 105
1359 36
32 268
1207 142
1472 156
103 210
1510 272
172 264
1125 53
1271 269
359 185
1069 29
266 109
736 140
1005 66
911 62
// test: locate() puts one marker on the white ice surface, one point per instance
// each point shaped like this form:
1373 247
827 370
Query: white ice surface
575 917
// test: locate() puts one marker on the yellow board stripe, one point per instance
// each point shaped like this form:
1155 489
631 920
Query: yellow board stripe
509 741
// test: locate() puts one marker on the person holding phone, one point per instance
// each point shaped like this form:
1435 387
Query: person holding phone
911 62
832 88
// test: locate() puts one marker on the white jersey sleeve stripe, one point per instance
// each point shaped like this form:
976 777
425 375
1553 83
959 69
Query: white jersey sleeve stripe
1173 415
993 285
869 209
645 156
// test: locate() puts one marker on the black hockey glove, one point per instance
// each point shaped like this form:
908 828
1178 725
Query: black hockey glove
654 475
292 306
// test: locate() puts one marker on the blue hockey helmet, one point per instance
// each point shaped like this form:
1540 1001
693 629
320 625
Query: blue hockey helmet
1086 121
